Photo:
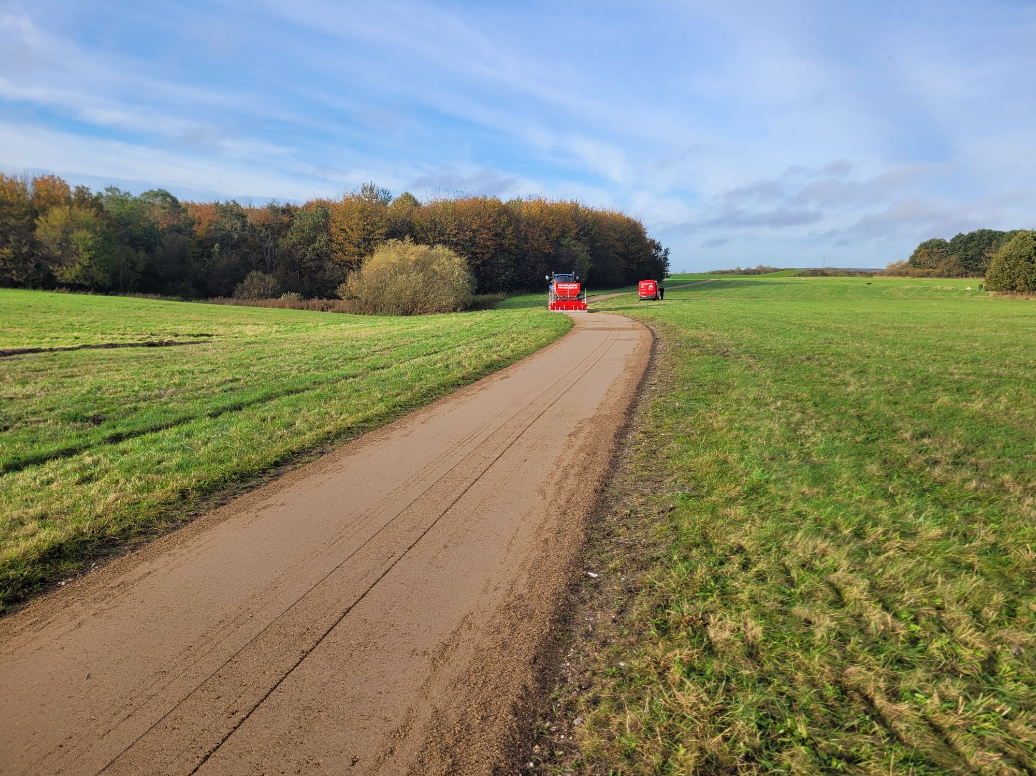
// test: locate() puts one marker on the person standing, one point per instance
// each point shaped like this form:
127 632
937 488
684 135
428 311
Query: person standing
661 292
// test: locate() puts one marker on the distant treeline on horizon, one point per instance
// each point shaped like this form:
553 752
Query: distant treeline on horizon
803 272
967 255
52 235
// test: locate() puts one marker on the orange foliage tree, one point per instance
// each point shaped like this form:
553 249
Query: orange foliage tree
359 224
51 234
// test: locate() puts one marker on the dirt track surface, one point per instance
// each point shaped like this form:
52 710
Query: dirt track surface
381 610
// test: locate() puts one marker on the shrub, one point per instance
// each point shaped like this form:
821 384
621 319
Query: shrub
258 285
403 278
292 296
904 269
1013 268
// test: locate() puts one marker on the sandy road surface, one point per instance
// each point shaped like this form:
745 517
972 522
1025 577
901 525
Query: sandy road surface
378 611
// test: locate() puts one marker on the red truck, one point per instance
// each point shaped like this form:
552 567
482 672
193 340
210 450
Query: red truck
649 289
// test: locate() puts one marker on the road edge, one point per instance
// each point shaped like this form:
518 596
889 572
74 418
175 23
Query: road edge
532 720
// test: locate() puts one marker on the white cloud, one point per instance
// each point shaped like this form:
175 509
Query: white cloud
27 147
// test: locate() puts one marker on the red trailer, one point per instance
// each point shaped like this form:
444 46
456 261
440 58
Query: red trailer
648 289
566 293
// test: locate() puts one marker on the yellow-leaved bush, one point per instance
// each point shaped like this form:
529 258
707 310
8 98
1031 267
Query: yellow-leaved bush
403 278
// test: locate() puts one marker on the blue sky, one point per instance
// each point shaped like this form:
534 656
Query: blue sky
783 133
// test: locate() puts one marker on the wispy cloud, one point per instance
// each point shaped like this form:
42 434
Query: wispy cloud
773 219
715 242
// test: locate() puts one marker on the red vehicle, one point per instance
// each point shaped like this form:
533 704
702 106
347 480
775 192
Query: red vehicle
648 289
566 293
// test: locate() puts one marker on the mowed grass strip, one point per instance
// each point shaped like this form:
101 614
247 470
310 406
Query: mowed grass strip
836 482
99 446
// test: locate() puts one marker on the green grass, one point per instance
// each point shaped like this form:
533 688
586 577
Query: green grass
533 300
688 277
100 446
524 302
834 483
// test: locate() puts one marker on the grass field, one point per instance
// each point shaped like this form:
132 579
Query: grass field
98 446
821 557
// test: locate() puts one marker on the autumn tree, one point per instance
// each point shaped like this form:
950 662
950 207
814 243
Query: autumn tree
218 245
659 263
359 224
539 235
48 192
83 251
266 227
167 244
20 263
435 223
52 233
399 216
929 254
481 229
308 265
573 256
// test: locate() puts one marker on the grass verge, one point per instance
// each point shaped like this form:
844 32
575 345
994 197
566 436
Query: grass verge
100 446
819 555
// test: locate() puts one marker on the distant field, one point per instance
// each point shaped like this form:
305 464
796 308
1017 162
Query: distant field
98 446
540 299
687 277
823 556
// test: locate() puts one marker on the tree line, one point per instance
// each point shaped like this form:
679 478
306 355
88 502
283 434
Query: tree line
54 235
967 255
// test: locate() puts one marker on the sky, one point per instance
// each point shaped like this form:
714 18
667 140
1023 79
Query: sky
791 134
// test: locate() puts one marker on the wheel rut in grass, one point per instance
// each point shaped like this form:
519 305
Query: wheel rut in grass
19 463
10 353
378 611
